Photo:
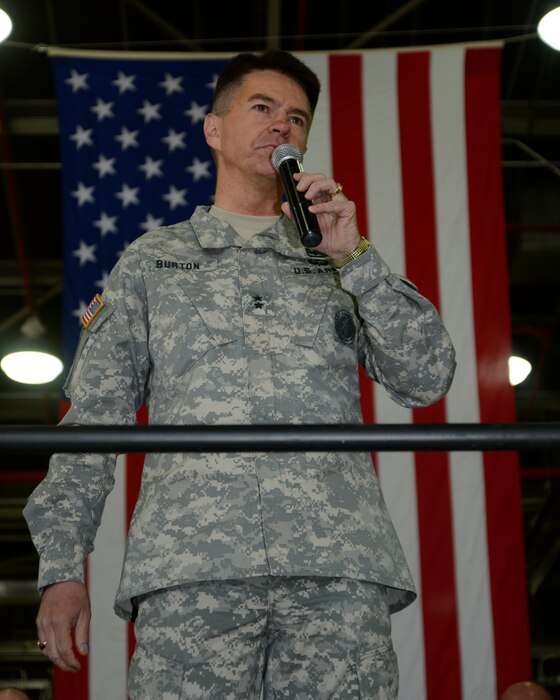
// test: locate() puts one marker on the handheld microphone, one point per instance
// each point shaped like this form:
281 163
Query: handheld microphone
286 159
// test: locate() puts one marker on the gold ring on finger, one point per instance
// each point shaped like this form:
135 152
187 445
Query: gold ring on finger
337 189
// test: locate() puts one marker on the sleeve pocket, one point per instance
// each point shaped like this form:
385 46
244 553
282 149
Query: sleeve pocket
83 346
378 674
151 676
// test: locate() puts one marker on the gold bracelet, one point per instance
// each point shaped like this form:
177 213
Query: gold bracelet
362 246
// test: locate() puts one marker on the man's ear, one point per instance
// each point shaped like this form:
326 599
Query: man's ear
212 130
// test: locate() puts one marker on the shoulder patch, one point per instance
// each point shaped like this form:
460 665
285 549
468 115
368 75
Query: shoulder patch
94 307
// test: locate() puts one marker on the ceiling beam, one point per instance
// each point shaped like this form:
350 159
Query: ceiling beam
164 25
385 23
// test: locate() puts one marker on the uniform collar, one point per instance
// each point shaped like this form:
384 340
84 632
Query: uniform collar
282 237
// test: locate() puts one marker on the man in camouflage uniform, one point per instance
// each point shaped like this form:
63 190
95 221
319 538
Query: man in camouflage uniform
246 573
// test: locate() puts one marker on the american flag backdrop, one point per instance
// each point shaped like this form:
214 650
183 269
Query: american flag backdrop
414 136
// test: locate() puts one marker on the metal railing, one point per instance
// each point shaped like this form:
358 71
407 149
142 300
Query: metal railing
462 437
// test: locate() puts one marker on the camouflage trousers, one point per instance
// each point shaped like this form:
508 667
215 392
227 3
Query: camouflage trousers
265 637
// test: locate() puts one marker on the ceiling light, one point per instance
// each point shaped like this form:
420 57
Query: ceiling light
5 25
31 367
548 29
519 370
29 360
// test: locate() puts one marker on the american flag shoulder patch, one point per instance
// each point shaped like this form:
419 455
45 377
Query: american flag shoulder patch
94 307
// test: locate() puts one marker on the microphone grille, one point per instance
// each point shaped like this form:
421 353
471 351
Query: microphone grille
284 152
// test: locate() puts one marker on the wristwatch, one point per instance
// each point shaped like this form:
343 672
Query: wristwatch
362 246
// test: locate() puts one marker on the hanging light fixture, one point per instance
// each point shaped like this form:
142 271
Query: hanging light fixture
548 29
30 360
5 25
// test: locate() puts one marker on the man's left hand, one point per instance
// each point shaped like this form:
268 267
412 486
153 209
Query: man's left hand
335 213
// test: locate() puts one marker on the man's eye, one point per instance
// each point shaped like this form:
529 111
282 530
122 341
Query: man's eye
261 107
297 121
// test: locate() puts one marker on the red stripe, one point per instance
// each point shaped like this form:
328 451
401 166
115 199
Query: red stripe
493 330
134 466
347 139
347 129
437 562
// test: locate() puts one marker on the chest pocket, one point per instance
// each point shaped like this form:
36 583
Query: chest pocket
191 318
328 325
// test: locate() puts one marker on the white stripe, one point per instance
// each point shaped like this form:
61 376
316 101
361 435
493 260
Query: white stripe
467 475
382 153
318 157
108 657
396 470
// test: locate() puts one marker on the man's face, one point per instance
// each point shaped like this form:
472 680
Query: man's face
268 109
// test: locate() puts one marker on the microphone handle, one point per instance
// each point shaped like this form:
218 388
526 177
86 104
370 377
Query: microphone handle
306 222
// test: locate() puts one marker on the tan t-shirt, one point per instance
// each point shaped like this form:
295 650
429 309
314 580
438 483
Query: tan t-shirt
245 225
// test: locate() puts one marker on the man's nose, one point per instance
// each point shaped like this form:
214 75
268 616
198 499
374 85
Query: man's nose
280 125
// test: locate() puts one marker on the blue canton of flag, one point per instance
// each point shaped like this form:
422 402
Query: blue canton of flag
134 158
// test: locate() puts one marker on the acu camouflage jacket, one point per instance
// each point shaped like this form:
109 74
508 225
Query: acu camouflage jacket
206 329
